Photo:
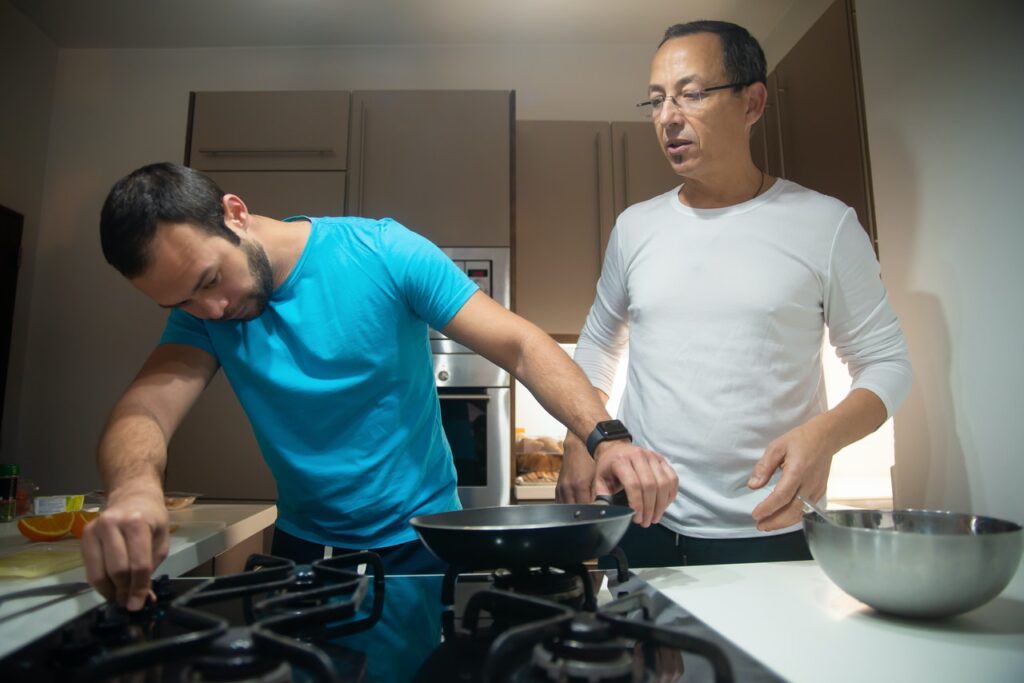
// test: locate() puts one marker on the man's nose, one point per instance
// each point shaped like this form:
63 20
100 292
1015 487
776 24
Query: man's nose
669 113
213 307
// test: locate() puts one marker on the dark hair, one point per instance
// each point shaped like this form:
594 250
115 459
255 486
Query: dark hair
155 194
742 55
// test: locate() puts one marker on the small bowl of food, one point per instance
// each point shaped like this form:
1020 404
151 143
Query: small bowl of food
916 563
179 500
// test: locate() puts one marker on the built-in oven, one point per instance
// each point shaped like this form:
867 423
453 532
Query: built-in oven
475 394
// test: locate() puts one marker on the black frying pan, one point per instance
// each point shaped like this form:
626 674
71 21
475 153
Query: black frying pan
516 536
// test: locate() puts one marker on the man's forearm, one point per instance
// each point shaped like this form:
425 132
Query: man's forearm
132 451
856 416
559 385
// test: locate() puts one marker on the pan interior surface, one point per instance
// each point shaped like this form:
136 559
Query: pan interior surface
521 517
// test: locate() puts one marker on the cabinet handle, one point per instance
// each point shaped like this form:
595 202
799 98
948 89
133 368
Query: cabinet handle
600 221
464 397
362 156
268 152
625 168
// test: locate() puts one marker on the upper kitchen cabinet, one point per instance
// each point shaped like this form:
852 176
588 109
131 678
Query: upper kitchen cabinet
439 162
279 194
269 131
820 107
641 169
563 215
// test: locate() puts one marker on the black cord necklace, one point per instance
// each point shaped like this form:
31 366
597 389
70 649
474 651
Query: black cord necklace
759 186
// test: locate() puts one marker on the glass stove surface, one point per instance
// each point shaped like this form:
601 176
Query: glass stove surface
406 643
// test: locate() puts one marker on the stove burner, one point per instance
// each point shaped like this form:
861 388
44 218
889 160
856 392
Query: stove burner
554 584
587 651
234 657
281 604
571 645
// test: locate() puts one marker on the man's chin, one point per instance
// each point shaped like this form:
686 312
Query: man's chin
678 163
250 312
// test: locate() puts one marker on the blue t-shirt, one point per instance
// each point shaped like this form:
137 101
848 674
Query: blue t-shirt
336 378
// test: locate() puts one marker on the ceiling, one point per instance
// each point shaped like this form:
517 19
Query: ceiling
265 23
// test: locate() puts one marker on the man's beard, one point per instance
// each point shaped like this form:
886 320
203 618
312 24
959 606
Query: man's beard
262 275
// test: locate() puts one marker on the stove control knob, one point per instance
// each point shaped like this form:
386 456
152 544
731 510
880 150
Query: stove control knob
111 624
443 376
162 588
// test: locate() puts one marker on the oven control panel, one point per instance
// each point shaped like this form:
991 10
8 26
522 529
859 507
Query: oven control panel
489 268
479 272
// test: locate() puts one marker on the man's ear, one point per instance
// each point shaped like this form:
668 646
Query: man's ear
757 97
236 214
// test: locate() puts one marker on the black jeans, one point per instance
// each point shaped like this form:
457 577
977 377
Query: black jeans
406 558
657 546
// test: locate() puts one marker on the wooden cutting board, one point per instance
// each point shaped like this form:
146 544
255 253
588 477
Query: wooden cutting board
24 560
40 560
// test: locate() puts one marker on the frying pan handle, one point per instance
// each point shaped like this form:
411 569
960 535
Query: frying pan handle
617 499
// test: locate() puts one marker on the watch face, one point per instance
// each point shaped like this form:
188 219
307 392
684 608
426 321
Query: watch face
612 428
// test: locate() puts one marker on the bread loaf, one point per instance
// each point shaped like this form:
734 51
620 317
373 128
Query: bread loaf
538 462
551 444
537 478
529 445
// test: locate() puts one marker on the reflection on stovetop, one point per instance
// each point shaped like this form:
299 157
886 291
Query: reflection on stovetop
329 622
568 624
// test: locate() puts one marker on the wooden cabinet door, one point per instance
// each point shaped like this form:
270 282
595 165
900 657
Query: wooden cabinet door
563 212
439 162
269 131
824 140
641 169
279 194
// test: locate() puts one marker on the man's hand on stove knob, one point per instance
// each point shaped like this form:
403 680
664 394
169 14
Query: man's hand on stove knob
649 481
124 545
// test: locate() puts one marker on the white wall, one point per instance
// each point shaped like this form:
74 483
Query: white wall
944 92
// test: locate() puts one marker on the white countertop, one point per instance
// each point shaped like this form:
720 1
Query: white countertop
790 616
30 608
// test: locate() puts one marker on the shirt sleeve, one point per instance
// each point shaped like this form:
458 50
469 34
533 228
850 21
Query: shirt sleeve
182 328
605 333
862 325
433 286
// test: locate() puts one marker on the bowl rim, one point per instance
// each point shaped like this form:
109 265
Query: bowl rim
1013 527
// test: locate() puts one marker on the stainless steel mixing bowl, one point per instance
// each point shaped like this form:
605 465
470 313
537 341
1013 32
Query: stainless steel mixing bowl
916 563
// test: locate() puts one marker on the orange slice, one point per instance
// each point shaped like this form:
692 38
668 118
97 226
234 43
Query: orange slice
82 519
46 527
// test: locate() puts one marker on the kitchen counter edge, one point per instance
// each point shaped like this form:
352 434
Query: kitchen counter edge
30 608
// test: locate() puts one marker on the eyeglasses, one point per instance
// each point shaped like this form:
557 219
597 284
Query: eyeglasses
687 101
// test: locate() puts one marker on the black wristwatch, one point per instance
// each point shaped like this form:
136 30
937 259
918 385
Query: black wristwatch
609 430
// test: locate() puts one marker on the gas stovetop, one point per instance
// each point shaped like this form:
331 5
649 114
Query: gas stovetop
341 619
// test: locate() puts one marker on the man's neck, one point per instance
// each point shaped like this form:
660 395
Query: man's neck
282 241
728 188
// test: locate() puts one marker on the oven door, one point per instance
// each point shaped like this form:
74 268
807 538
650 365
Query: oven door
476 422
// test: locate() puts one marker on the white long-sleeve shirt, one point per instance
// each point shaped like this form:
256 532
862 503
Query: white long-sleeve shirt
723 312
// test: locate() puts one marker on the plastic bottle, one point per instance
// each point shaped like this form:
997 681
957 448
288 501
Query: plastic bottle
8 491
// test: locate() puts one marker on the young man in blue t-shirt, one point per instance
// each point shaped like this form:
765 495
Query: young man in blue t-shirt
321 327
